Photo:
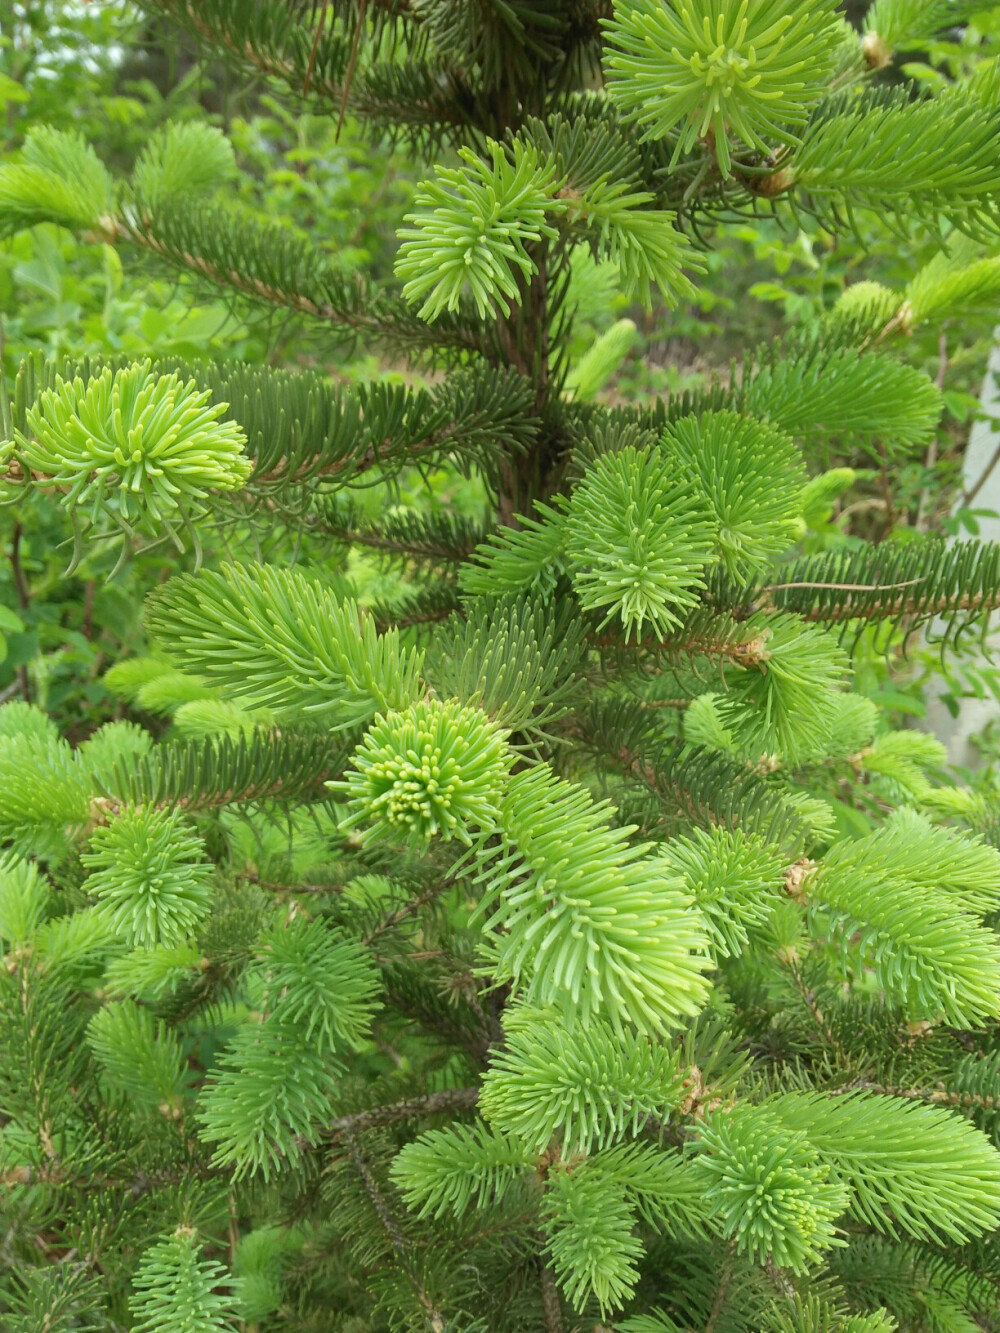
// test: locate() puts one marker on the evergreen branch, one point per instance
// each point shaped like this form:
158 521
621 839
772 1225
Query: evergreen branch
912 1281
709 74
175 1286
439 539
914 924
410 908
588 141
431 771
268 264
959 1099
411 992
892 25
280 639
323 433
913 1167
417 607
413 1108
424 98
135 1185
516 658
810 388
574 911
551 1305
587 1090
681 785
275 40
930 159
200 775
426 103
919 584
377 1197
447 1171
304 431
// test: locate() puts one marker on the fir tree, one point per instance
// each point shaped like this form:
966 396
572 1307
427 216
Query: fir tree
492 959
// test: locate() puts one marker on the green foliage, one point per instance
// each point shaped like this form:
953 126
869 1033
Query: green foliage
149 876
893 24
141 449
752 479
782 700
643 243
957 283
224 770
580 915
736 882
23 900
515 559
275 1083
881 152
470 231
433 770
920 581
807 388
592 372
257 1270
589 1088
151 974
279 639
317 980
766 1189
513 657
176 1288
754 69
911 1167
138 1055
695 1030
638 540
447 1170
888 917
590 1236
185 157
59 179
45 794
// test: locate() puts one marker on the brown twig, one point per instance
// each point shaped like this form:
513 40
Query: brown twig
311 63
23 601
89 593
967 1101
409 908
907 607
971 494
412 1108
551 1305
378 1200
352 61
779 1279
890 508
722 1291
842 587
794 969
930 458
273 886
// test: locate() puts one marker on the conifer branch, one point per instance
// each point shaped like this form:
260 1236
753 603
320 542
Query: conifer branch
939 1096
229 252
716 962
921 583
378 1200
412 1108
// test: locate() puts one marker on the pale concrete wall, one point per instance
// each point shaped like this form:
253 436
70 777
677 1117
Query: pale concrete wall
955 732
